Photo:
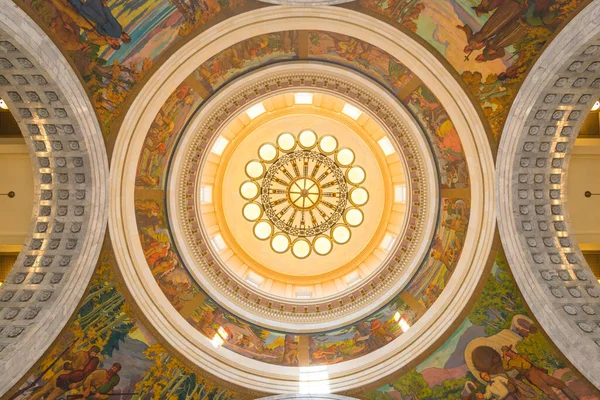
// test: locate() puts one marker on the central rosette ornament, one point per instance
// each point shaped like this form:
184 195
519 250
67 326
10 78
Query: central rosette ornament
304 194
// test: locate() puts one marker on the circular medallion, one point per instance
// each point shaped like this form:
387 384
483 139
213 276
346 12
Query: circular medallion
302 200
304 193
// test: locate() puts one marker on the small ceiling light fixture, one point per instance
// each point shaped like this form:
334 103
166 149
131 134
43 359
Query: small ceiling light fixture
590 194
386 146
219 145
206 194
256 110
400 193
303 98
402 322
220 337
351 111
10 194
596 106
3 104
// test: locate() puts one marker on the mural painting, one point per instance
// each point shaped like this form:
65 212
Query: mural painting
185 100
104 353
491 44
325 348
160 139
246 55
177 283
498 352
114 43
398 79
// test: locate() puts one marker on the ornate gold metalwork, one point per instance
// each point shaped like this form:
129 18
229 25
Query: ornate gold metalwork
303 186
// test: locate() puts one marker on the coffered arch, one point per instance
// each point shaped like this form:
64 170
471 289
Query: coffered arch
532 166
70 198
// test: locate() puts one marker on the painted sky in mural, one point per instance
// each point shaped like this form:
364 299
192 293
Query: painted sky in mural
489 43
498 352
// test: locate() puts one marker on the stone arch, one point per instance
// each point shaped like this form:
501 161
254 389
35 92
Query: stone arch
532 168
69 215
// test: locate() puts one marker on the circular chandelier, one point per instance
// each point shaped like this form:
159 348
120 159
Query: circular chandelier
303 193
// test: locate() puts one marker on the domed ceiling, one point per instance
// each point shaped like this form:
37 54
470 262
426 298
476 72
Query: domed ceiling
300 201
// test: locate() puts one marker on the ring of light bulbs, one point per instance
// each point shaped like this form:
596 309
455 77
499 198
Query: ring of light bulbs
304 194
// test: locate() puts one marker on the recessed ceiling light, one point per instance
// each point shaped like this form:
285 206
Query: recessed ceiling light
351 111
400 193
219 145
303 293
596 106
386 146
206 194
256 110
303 98
352 278
387 242
218 242
403 325
217 341
3 104
254 279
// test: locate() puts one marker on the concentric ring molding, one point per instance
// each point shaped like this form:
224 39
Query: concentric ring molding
235 300
69 212
533 219
441 315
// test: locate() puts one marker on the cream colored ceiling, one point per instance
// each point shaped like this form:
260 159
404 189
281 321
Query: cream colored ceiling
283 274
260 251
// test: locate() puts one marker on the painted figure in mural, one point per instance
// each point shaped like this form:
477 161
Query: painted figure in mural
290 350
189 9
100 383
509 22
438 252
77 368
512 361
366 336
380 335
498 388
97 13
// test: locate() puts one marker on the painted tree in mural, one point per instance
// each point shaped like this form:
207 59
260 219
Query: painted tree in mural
111 86
499 302
169 379
451 389
405 12
536 348
412 386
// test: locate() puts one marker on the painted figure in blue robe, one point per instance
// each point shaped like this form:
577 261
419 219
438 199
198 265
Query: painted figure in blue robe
105 24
